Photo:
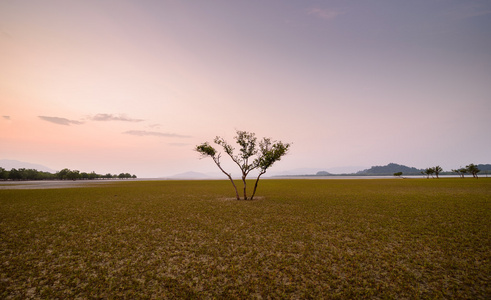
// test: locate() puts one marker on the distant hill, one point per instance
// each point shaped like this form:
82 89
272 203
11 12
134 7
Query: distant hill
390 169
484 167
9 164
322 173
190 175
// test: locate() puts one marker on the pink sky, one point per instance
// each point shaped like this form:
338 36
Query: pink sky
132 86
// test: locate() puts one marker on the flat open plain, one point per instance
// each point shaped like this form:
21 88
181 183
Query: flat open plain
331 239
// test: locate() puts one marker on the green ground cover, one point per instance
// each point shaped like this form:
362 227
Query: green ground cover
389 238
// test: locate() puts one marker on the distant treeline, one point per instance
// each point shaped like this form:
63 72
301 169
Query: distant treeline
65 174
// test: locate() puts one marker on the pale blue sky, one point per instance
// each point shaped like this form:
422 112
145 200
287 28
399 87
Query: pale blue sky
132 86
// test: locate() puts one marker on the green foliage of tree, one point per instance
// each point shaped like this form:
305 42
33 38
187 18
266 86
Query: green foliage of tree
461 172
73 175
15 174
124 176
428 172
473 169
64 174
437 170
398 174
4 174
270 152
205 150
251 155
469 169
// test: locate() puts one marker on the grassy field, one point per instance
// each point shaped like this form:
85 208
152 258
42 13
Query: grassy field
300 239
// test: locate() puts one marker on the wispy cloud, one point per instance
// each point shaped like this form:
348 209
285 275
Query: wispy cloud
60 121
111 117
156 126
324 13
6 117
154 133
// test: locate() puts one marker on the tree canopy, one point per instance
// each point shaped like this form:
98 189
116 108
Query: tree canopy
473 169
251 155
428 172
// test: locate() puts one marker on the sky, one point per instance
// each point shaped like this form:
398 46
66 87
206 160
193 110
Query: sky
132 86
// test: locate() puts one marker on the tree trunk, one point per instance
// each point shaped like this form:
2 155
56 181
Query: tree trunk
245 186
229 177
235 188
255 185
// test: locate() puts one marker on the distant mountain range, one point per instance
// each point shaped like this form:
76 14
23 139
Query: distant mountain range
9 164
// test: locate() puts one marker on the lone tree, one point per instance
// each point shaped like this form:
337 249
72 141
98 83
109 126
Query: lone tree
428 172
461 172
473 169
252 155
398 174
437 170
